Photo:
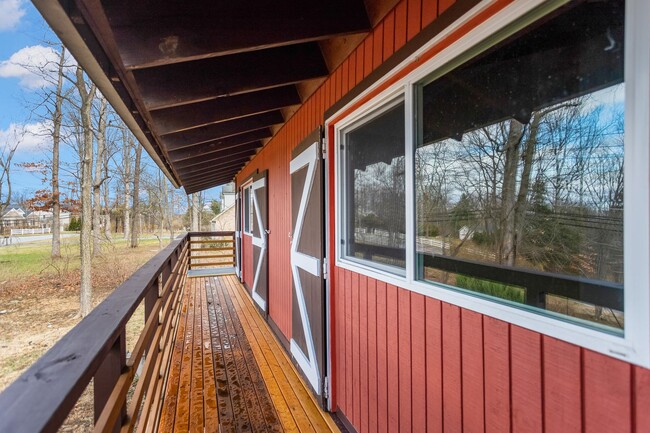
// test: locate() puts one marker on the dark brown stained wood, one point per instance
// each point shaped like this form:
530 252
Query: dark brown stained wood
219 145
189 116
218 155
200 187
214 170
215 131
183 83
211 162
212 182
164 33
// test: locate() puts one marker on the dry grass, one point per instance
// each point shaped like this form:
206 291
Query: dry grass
39 303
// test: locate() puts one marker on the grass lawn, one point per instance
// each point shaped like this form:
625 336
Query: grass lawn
39 296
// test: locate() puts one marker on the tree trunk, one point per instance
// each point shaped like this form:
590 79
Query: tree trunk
507 217
107 208
97 182
86 97
195 212
57 118
135 228
170 213
126 161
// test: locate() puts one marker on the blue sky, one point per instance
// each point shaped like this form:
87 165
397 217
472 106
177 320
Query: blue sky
24 37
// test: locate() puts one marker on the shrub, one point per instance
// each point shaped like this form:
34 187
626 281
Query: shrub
503 291
75 224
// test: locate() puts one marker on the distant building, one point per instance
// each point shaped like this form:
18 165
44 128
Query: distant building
225 221
14 217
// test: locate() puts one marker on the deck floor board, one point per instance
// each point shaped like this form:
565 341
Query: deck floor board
228 373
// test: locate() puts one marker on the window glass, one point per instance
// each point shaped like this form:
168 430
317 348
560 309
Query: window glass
519 169
375 189
247 210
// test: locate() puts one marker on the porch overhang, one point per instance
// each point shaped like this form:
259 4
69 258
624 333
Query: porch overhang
204 85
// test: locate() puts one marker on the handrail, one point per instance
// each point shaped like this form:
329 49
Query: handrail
42 397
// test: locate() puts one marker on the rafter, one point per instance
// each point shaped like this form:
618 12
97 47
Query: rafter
199 114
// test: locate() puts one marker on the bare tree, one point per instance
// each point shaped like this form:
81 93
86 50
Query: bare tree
7 151
127 144
86 96
98 176
135 220
195 212
57 120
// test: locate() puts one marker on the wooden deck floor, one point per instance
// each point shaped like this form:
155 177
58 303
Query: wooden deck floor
228 372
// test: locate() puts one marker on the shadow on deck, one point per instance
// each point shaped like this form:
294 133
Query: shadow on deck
228 372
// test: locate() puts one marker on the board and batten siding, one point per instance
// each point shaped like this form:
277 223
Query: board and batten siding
405 362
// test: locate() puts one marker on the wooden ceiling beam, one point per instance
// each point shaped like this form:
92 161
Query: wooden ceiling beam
209 183
224 157
199 114
206 149
219 155
216 131
201 80
234 163
219 29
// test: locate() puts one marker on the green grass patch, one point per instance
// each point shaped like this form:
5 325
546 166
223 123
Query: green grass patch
498 290
20 260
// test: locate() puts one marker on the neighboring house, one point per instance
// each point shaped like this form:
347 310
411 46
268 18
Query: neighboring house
225 221
14 217
18 218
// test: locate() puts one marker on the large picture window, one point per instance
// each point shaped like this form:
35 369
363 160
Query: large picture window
519 166
514 180
374 183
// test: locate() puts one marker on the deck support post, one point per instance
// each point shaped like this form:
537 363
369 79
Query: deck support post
107 376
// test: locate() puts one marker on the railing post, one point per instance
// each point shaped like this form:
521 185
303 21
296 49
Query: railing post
189 251
107 376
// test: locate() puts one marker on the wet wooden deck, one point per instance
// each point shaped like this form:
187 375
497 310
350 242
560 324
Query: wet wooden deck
228 372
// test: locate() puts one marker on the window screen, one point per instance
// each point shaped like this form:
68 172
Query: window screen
375 189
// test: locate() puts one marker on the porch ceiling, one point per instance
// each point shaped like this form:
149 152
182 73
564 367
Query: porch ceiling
205 84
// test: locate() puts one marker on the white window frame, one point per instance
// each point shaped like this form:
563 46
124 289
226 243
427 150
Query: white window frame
246 208
380 107
633 345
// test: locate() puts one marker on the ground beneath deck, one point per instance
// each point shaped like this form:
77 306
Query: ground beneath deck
228 372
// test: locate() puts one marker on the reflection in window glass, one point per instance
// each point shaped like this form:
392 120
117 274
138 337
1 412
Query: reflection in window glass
247 210
519 169
375 189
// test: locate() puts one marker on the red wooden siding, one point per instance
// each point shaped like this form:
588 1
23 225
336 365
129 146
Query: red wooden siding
404 362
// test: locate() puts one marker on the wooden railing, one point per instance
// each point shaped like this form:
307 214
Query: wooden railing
211 249
42 397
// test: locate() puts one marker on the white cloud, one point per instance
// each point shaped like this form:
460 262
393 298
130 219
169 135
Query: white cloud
30 137
11 11
34 66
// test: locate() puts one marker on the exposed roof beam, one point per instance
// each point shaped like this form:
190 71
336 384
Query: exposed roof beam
204 150
211 163
197 174
249 148
200 80
189 116
215 131
221 29
209 183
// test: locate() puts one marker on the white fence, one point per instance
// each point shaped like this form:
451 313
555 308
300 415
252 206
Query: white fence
40 231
